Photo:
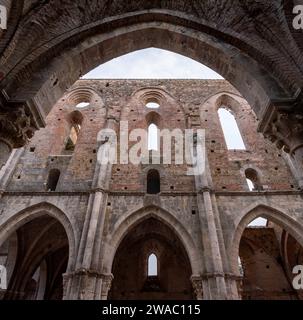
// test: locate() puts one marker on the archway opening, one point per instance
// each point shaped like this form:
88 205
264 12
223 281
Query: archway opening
268 255
134 270
35 257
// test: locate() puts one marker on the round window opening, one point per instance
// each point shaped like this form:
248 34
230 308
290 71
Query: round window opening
152 104
82 105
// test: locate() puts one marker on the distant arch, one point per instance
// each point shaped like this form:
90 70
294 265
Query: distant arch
26 215
285 221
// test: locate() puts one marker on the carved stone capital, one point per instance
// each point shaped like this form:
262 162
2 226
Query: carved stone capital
16 125
107 280
282 124
197 284
286 131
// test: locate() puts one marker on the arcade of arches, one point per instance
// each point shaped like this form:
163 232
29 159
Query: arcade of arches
72 227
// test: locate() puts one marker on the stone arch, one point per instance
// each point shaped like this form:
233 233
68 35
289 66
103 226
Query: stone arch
26 215
237 66
230 100
83 94
275 215
234 104
126 223
150 93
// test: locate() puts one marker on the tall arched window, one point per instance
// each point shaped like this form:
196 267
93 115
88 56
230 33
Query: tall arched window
153 182
152 137
76 119
231 130
152 268
53 179
72 138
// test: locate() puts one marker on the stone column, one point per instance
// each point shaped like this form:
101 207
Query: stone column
212 250
210 223
87 281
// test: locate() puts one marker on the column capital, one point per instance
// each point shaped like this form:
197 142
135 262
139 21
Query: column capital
107 280
282 123
197 283
17 123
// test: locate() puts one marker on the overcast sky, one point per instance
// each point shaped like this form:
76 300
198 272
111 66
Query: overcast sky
152 63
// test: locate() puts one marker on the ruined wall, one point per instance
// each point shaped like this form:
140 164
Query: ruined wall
183 104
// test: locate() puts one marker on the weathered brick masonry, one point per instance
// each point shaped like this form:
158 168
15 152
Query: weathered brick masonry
194 225
72 228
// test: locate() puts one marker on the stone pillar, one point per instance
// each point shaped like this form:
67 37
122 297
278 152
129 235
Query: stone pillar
212 250
87 282
197 284
210 223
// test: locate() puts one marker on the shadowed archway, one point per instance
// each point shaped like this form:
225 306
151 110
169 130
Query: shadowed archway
131 263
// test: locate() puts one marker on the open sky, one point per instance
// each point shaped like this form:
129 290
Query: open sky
152 63
155 63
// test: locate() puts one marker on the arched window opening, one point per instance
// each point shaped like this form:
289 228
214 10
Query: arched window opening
73 137
153 137
75 119
153 182
53 179
232 135
252 180
152 268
